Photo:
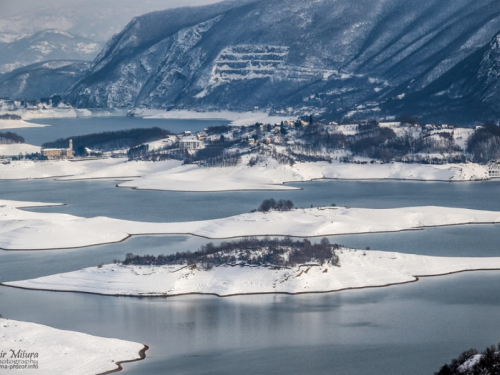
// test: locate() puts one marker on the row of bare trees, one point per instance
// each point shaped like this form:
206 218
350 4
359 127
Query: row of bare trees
471 362
250 251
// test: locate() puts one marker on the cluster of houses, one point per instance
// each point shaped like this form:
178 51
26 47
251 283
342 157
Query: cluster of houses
13 105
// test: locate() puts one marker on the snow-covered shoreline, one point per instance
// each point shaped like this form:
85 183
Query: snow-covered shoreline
56 351
358 269
235 118
48 113
29 169
172 175
274 176
25 230
18 124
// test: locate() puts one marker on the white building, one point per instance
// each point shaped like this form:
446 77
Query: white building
190 144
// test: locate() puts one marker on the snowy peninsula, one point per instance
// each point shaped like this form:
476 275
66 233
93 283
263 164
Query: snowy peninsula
235 118
172 175
18 124
24 230
106 168
358 269
273 176
43 350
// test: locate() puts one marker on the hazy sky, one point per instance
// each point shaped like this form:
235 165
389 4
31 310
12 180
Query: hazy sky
14 7
97 19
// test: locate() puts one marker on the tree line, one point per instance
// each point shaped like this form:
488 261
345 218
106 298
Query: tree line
10 138
271 204
374 142
249 251
484 144
487 363
110 141
8 116
214 155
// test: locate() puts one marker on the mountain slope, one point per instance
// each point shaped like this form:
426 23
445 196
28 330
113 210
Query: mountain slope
44 46
467 92
43 79
278 54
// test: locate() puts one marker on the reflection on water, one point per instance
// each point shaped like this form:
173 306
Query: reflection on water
408 329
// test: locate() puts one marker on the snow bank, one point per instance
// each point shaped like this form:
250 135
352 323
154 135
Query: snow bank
273 176
54 351
29 169
358 269
25 204
18 148
31 114
16 124
82 112
236 118
188 178
35 230
172 175
402 171
123 168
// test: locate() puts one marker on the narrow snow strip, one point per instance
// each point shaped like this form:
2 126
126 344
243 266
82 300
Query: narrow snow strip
24 230
28 169
122 168
16 124
172 175
273 176
42 350
236 118
358 269
25 204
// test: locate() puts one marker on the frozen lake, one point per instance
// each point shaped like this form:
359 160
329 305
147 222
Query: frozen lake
70 127
409 329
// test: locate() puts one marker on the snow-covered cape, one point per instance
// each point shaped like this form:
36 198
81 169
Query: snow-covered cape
47 351
24 230
173 176
358 269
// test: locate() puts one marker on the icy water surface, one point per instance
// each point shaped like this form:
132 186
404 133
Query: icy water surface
70 127
408 329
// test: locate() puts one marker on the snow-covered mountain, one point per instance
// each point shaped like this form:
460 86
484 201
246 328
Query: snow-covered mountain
97 20
43 79
45 45
363 57
468 91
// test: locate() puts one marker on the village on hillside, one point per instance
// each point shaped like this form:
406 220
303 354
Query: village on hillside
305 139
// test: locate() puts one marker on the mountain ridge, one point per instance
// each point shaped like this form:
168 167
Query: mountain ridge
46 45
328 55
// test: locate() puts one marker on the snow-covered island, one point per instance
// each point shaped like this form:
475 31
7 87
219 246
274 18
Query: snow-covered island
34 348
24 230
172 175
275 267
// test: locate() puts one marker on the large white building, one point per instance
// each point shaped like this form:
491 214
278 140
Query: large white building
190 143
